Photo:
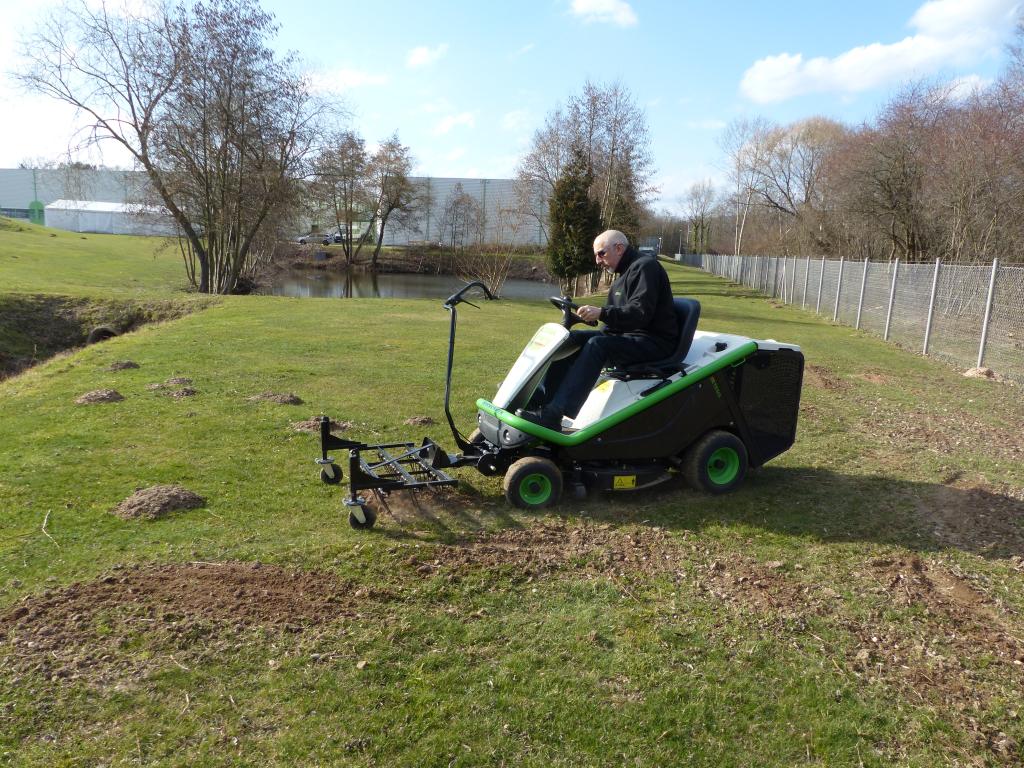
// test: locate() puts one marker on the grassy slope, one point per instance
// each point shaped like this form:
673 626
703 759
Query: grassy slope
558 671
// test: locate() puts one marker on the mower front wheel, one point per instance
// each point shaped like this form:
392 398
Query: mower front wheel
716 463
533 482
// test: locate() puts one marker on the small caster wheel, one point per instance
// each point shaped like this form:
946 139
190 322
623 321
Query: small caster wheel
362 517
331 474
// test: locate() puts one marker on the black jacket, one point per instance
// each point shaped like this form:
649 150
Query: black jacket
640 299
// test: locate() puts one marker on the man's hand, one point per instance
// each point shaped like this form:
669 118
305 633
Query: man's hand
589 314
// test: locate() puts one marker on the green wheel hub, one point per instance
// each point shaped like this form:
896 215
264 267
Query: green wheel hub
535 488
723 466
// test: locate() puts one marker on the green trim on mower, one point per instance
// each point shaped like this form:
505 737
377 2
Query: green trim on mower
587 433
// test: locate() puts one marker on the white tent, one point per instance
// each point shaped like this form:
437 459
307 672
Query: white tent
109 218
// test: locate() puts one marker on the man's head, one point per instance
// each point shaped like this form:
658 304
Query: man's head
609 247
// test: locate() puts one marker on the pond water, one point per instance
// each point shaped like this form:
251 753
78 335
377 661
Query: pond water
320 285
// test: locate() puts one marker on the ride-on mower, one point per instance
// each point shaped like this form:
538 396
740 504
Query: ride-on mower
718 405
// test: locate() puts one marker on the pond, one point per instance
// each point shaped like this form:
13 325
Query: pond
322 285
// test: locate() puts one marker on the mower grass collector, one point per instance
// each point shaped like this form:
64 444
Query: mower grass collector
719 405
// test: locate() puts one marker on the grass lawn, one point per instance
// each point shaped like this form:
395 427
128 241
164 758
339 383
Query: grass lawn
856 602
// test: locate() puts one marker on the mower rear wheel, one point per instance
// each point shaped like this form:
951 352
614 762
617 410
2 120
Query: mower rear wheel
716 463
331 474
368 515
533 482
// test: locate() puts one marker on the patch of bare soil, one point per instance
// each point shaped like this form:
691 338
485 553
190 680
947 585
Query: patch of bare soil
313 425
957 639
99 396
545 548
819 377
946 432
286 398
874 377
974 518
157 501
602 550
177 381
83 629
178 394
419 421
122 365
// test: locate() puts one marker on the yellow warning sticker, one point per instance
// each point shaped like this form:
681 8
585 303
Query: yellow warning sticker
621 482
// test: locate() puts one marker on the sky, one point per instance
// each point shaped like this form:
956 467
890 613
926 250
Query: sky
466 84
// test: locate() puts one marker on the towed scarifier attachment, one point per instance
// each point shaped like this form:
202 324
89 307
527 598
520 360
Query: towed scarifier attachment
381 468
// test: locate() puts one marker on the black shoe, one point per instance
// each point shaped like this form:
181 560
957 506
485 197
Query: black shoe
544 417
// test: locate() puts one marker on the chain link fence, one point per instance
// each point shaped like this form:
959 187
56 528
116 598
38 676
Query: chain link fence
968 315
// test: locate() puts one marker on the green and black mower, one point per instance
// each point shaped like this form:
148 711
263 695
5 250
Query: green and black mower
719 405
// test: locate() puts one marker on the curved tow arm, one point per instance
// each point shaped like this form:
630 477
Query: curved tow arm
450 304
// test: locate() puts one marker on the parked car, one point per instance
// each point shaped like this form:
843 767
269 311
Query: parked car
647 250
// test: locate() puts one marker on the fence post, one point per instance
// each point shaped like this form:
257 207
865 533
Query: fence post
839 290
892 296
988 311
792 283
931 307
807 273
863 284
821 281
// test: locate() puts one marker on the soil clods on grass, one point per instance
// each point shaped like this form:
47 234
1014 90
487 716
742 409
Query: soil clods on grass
286 398
157 501
99 396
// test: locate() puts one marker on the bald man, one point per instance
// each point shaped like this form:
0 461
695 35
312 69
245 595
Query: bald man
639 326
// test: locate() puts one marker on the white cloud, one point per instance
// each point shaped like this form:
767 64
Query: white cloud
516 121
947 32
422 56
445 124
455 154
966 86
524 50
345 79
617 12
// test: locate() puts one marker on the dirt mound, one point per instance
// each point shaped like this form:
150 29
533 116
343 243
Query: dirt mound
313 425
986 373
419 421
81 629
122 365
274 397
177 381
177 394
822 378
157 501
99 396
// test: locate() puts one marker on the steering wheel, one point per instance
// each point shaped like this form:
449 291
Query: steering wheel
569 317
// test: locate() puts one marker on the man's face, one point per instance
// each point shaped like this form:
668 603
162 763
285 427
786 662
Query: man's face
608 256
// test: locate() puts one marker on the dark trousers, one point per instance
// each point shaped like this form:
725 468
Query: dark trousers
568 382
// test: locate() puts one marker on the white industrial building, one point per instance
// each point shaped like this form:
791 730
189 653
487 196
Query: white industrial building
109 218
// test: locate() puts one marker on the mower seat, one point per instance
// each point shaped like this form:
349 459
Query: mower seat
687 314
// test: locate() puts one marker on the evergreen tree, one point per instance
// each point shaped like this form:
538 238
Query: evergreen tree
575 220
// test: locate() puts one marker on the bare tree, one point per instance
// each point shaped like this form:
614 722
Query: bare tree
217 121
461 217
395 193
698 205
744 142
340 185
611 129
